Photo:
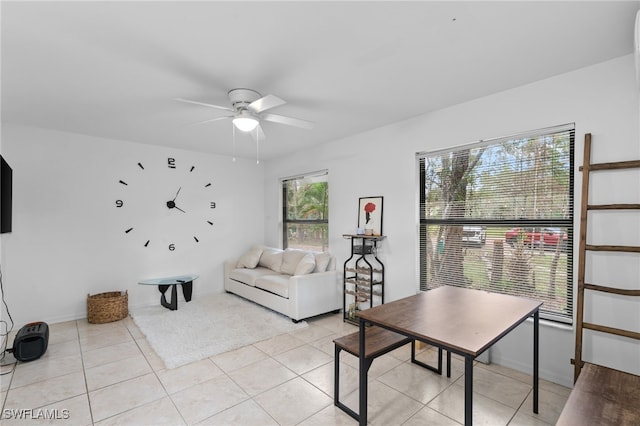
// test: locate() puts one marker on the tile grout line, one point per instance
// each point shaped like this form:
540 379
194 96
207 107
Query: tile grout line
520 406
6 393
249 397
155 373
252 397
118 361
84 373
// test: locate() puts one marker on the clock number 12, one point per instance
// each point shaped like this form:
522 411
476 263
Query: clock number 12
171 163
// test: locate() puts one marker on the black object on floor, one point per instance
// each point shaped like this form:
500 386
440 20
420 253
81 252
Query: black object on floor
31 341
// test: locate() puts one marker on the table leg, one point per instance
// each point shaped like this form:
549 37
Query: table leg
174 297
163 289
363 378
437 369
536 338
468 390
336 375
187 290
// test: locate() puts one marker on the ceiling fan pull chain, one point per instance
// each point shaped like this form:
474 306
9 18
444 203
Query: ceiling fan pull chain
257 147
233 129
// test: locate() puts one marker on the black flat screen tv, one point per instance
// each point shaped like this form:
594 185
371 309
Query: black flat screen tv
6 196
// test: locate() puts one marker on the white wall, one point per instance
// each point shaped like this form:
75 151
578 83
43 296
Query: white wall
68 237
602 100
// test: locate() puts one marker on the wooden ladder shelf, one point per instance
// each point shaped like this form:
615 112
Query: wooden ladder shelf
600 395
586 169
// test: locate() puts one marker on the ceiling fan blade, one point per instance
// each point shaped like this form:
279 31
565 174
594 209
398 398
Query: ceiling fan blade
265 103
204 104
289 121
211 119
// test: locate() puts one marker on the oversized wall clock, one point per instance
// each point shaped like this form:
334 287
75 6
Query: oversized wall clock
172 204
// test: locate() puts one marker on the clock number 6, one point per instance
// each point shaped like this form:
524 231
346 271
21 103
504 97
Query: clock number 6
172 247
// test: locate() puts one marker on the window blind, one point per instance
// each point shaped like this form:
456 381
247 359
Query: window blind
498 215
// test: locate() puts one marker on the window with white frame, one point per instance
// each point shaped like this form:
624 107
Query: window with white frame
305 212
498 215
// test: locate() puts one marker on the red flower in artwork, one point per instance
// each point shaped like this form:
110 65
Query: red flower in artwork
368 209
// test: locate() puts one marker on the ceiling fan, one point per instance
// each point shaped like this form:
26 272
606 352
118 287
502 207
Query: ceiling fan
249 108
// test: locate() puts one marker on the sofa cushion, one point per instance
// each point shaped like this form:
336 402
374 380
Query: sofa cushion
306 265
290 260
277 284
249 276
271 258
250 258
322 261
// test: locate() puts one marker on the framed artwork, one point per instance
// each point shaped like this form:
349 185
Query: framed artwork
370 215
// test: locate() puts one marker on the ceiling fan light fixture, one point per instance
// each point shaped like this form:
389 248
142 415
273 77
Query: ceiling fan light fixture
245 122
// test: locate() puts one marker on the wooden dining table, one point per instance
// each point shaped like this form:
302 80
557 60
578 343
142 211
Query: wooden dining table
464 321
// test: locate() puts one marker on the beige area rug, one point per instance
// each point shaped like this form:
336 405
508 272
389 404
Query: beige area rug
208 325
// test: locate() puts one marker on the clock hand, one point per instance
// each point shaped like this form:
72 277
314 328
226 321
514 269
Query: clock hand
174 198
172 205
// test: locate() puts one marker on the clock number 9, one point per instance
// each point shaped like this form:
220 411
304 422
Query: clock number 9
172 247
119 203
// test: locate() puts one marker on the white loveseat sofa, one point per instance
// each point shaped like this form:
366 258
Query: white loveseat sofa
297 283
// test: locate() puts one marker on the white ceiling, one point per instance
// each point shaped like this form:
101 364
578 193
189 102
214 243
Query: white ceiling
113 69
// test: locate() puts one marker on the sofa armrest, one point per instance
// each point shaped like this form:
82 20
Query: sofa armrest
315 293
229 265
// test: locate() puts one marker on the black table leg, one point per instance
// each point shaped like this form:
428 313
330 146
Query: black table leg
187 290
536 338
163 289
174 296
437 369
468 390
336 375
363 378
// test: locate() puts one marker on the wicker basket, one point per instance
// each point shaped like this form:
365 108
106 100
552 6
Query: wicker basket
107 307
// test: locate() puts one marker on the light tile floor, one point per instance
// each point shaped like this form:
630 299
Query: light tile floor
107 374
